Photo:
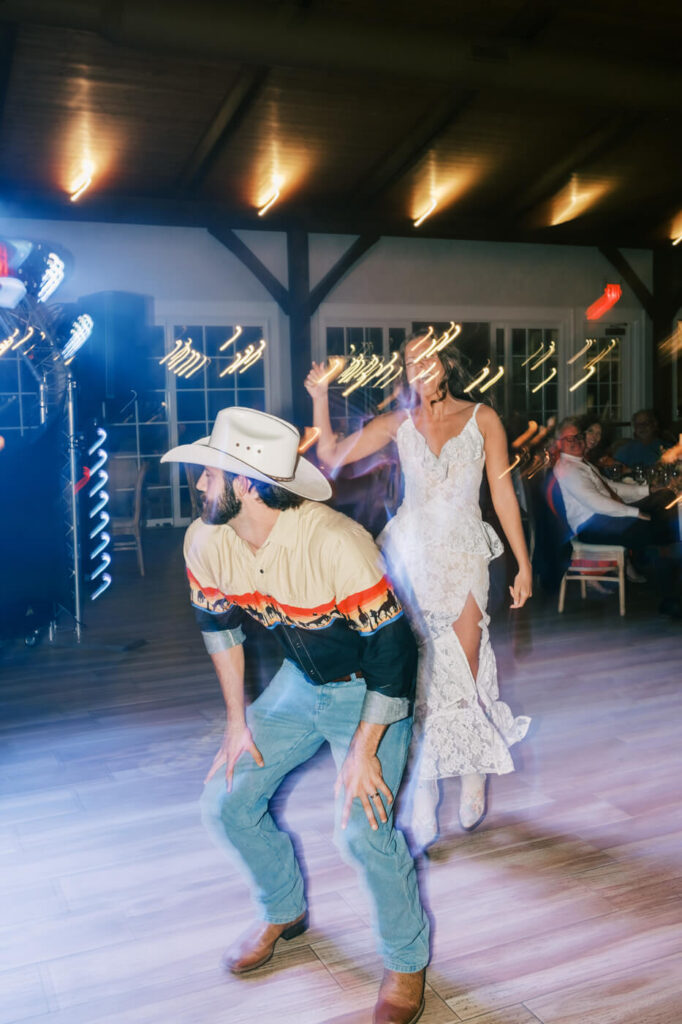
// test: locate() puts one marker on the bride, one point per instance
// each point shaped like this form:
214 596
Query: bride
438 549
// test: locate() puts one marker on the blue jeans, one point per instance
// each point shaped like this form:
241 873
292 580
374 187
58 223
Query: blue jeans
290 721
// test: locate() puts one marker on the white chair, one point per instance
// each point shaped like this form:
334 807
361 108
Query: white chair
595 562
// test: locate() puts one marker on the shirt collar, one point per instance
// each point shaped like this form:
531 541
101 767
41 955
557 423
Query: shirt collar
571 458
285 531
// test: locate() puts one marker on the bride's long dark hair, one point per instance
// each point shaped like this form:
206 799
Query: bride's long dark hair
457 373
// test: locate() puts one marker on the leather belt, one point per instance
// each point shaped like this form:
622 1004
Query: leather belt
342 679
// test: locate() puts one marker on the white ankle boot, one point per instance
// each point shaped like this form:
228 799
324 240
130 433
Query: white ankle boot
472 801
423 822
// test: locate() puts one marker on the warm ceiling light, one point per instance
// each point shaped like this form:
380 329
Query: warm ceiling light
576 198
676 241
427 213
83 181
277 182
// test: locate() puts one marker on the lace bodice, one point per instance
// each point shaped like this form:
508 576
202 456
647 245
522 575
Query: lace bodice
441 503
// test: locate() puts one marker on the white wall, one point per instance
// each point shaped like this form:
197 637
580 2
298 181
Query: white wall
414 278
401 280
164 262
498 274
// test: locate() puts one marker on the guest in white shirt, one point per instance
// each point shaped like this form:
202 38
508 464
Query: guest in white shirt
598 512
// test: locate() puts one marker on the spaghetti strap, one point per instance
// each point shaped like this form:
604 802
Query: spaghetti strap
476 408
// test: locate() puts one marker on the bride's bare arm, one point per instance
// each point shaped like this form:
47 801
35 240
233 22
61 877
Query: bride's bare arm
504 500
332 452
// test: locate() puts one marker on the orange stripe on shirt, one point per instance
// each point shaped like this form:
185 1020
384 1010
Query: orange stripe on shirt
257 599
349 604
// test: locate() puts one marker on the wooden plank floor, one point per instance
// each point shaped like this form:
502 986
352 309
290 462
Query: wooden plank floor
563 908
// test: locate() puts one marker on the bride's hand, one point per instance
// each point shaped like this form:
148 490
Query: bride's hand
317 381
320 377
522 587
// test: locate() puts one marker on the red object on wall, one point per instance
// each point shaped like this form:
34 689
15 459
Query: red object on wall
611 295
4 263
83 480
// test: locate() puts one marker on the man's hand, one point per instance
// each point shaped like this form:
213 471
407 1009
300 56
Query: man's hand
236 741
360 776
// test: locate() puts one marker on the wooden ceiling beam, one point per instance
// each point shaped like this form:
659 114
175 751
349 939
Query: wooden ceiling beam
350 257
227 237
609 132
227 119
411 147
197 213
256 33
8 38
619 262
525 25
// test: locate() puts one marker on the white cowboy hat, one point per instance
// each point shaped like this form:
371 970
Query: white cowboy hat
258 446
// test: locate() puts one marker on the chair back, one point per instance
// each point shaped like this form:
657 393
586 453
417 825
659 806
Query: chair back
139 484
126 483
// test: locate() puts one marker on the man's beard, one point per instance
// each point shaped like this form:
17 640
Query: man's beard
225 508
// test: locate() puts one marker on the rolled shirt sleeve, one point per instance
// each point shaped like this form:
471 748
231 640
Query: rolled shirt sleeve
219 620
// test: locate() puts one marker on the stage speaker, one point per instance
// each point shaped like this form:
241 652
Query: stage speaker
114 360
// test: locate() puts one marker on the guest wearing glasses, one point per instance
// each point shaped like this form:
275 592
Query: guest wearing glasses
598 512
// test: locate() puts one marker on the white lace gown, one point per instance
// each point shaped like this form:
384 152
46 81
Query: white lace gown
438 549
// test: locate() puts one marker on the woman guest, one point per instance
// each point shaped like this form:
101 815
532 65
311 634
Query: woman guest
438 549
597 446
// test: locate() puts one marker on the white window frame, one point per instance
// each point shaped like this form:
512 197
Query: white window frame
249 314
568 320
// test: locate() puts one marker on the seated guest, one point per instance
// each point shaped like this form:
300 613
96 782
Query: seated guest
598 512
645 448
596 446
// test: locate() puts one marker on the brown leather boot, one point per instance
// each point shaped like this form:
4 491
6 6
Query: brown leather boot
257 946
401 998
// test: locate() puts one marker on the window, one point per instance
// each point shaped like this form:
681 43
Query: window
532 371
138 431
19 395
229 370
349 412
473 342
596 376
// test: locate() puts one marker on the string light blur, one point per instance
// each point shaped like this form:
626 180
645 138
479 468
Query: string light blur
243 360
53 276
183 360
230 341
81 329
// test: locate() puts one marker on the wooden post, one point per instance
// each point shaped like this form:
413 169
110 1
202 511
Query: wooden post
667 301
299 322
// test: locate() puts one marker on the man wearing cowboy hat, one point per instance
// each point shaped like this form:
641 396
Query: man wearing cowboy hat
265 546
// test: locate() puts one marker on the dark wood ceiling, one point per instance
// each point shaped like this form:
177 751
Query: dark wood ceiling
537 120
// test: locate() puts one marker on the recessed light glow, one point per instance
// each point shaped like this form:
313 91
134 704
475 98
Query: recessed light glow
277 182
427 213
